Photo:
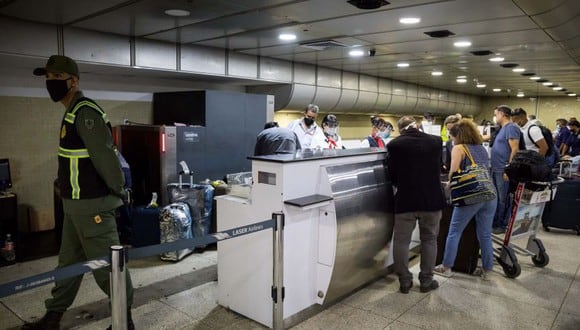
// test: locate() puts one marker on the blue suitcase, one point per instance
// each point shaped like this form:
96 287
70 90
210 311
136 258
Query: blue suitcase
145 226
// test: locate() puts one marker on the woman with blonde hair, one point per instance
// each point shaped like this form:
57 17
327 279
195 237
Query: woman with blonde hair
467 147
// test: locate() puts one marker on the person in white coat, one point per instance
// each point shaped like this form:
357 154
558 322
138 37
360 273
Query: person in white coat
309 134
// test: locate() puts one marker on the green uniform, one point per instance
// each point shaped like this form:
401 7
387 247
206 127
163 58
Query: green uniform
89 227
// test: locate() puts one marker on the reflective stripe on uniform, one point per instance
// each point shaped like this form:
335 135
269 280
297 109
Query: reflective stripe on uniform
73 153
74 177
70 117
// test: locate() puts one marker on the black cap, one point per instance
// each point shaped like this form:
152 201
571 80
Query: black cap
58 63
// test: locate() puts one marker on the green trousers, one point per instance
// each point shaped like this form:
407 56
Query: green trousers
85 237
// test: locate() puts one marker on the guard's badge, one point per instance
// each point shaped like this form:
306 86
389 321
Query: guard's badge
98 219
89 123
63 132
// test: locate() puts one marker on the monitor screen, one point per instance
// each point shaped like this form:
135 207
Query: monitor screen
5 180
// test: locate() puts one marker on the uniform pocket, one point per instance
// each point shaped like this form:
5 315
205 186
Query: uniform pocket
99 224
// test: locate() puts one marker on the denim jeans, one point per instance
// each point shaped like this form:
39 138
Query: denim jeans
503 209
483 213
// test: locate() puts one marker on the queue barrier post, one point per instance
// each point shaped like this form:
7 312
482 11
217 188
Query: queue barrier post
118 289
278 272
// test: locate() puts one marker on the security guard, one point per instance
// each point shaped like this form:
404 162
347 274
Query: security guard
91 185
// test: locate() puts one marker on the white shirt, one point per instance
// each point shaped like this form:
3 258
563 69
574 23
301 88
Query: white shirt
311 137
535 133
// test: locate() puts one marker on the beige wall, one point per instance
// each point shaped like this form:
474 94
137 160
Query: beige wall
29 129
546 109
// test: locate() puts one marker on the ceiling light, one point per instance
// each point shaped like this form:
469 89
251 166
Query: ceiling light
557 88
356 52
436 73
535 78
287 36
496 59
177 12
571 94
461 77
519 70
403 65
461 80
462 43
520 94
496 90
547 83
480 85
409 20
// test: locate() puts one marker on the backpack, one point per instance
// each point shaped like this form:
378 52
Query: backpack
528 165
553 154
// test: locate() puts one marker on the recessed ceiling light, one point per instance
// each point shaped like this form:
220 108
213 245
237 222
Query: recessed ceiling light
558 88
436 73
547 83
535 78
403 65
461 77
571 94
480 85
496 59
520 95
356 52
462 43
287 36
519 70
496 90
409 20
461 80
177 12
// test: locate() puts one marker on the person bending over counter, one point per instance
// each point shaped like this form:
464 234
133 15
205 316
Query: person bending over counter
276 140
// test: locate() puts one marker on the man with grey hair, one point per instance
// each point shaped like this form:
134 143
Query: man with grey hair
414 164
309 134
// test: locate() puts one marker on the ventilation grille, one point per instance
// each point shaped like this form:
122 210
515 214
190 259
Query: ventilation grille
440 34
508 65
323 44
482 52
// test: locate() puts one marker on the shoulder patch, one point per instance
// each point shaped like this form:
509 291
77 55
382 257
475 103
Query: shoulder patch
89 123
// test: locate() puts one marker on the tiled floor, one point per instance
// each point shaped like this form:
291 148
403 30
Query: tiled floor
183 296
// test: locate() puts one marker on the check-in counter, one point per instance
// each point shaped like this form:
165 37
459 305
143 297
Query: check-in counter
336 235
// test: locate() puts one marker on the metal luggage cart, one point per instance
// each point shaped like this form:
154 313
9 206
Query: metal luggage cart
525 218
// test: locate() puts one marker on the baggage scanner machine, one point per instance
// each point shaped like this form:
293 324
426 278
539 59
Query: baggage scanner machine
338 228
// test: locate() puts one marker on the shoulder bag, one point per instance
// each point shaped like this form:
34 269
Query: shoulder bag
471 185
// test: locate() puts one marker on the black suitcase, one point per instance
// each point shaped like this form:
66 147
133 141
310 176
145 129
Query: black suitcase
468 249
564 211
145 226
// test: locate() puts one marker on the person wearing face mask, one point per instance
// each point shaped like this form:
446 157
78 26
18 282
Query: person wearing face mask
380 133
91 183
571 147
309 134
562 134
330 128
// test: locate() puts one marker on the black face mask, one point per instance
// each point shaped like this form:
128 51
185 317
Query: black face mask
57 89
308 121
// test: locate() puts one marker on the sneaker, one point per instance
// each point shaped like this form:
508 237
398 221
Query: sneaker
482 273
404 287
443 271
50 321
429 287
498 230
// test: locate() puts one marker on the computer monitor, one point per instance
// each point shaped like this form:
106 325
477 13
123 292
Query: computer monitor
5 180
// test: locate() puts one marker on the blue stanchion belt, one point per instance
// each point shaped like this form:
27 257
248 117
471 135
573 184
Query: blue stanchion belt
59 274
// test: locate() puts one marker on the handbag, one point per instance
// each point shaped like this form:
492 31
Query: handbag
471 185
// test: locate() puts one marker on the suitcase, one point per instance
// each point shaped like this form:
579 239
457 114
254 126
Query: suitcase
175 224
564 211
468 249
145 226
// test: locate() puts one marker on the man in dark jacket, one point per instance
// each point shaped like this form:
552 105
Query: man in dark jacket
276 140
414 163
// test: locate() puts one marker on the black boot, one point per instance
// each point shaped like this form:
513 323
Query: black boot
50 321
130 324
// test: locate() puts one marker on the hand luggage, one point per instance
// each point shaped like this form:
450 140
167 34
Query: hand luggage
175 224
468 249
564 211
145 226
